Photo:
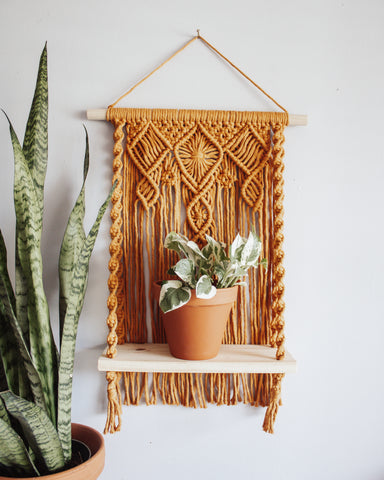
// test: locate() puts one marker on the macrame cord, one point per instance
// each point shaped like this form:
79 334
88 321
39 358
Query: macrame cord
197 172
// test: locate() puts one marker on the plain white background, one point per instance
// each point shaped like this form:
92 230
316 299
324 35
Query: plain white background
323 58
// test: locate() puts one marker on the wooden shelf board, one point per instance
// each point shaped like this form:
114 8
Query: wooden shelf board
155 357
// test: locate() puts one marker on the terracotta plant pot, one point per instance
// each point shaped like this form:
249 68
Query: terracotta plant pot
92 468
195 331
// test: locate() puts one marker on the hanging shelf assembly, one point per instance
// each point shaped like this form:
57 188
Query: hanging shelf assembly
243 154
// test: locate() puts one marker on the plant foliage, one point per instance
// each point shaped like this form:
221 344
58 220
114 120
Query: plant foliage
207 269
35 377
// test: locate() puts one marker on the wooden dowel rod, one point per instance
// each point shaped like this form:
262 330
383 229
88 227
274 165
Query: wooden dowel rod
101 114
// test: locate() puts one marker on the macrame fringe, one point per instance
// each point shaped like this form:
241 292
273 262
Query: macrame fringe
195 172
195 391
113 423
275 402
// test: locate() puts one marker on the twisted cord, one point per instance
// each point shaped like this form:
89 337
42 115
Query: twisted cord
278 305
115 249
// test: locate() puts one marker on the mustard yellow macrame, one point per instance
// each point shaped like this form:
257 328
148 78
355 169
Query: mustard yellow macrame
195 172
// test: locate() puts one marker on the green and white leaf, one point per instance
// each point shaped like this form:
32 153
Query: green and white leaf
12 363
184 247
185 270
35 149
13 454
13 332
73 240
204 288
173 294
217 248
28 216
68 340
39 431
175 241
251 251
236 248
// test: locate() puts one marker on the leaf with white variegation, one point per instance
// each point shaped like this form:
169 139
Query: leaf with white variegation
185 270
73 240
204 288
13 454
236 248
28 215
251 251
37 428
68 340
173 294
174 241
217 248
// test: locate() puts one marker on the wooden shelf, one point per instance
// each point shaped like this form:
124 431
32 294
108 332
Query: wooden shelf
155 357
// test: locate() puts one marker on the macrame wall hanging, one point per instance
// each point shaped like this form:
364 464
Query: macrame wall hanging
195 172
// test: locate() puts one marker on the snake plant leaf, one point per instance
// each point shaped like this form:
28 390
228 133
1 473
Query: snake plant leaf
13 454
13 333
173 294
68 339
204 288
3 379
185 269
28 216
35 145
11 363
73 240
4 414
38 430
35 149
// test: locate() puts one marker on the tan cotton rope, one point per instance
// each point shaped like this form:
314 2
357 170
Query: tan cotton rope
197 172
198 37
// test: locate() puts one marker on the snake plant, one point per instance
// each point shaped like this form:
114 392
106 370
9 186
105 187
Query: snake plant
207 269
36 376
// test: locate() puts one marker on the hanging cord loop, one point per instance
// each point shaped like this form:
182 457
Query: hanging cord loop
199 37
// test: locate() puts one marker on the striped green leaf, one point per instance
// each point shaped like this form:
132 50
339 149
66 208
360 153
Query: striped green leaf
38 430
12 363
13 454
28 216
74 238
13 332
3 379
4 414
35 149
35 146
68 340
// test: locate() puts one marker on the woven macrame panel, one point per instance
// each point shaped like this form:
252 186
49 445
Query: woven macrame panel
195 172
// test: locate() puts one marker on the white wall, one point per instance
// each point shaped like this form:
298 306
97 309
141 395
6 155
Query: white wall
323 58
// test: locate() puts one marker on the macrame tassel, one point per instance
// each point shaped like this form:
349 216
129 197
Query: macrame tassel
273 407
114 403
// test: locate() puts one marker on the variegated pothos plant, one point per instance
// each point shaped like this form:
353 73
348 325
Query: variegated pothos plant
207 269
36 377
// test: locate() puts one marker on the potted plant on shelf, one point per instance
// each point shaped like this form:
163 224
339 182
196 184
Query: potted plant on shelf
35 379
196 307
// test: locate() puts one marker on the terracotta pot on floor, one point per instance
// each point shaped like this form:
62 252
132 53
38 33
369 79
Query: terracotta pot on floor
89 470
195 331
